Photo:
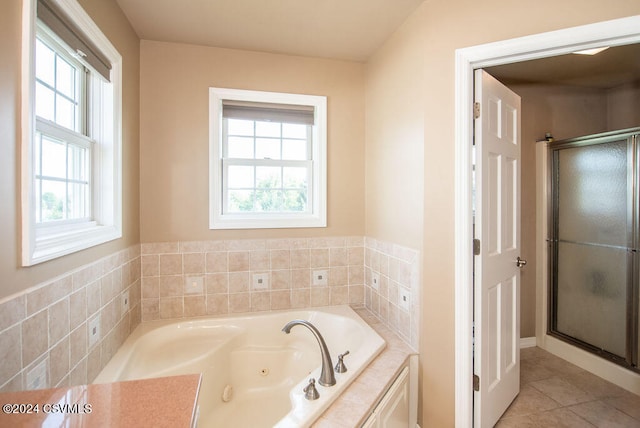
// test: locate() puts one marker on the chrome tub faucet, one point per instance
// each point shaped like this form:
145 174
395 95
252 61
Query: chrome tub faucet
327 376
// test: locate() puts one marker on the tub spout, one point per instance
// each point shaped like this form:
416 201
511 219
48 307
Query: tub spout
327 376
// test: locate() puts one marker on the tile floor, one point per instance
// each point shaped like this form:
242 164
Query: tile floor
555 393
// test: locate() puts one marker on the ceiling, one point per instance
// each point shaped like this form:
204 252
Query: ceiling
348 30
611 68
340 29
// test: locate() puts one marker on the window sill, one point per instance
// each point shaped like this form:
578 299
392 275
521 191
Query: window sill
60 241
273 221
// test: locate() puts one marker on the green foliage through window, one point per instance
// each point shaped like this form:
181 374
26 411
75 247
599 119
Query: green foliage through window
268 197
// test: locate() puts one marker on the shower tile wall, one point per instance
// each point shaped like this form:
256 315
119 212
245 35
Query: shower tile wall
48 325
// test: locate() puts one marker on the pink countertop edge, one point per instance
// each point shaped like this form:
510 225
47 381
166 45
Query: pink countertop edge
136 403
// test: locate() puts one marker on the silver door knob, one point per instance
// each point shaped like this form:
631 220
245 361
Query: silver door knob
520 262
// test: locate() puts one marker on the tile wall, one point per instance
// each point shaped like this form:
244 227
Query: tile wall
47 330
392 287
187 279
64 331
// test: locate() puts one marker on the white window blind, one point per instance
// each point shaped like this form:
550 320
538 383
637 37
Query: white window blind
268 112
54 18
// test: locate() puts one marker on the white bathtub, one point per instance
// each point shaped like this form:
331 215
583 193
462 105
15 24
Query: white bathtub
265 369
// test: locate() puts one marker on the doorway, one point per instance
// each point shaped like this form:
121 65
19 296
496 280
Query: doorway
609 33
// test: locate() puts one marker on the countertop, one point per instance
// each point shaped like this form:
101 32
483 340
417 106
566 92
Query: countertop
136 403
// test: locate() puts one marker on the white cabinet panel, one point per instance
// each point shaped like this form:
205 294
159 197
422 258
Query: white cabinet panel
393 409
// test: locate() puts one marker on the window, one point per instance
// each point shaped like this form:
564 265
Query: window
71 133
268 160
62 149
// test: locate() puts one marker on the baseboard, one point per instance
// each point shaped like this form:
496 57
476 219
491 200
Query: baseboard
527 342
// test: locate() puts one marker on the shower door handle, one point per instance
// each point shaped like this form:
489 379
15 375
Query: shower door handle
520 262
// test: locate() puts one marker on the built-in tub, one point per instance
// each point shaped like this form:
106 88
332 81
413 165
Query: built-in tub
253 374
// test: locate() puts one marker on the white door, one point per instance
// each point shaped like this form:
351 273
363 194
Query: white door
496 268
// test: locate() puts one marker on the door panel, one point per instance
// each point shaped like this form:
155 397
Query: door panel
497 277
509 222
493 188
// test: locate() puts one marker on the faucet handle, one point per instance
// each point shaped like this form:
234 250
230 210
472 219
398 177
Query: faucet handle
310 391
340 367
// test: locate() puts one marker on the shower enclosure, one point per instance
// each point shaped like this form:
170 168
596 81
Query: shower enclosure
594 244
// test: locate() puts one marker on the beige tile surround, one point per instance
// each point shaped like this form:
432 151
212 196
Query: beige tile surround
49 322
398 270
226 270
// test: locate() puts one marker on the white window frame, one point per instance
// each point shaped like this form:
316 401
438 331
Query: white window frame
42 242
56 132
317 215
76 137
49 39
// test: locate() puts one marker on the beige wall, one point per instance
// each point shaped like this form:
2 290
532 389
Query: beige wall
444 27
394 171
174 135
623 108
112 22
394 152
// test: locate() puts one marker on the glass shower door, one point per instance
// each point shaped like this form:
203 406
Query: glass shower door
593 244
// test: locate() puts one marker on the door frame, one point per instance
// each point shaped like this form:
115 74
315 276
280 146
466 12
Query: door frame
608 33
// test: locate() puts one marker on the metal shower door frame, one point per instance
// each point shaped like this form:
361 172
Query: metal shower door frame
632 340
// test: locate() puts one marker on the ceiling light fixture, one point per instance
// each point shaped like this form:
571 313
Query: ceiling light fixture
591 51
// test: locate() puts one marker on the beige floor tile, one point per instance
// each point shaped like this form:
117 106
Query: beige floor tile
533 353
530 400
603 415
556 393
595 385
524 421
558 365
559 418
627 403
562 391
531 371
